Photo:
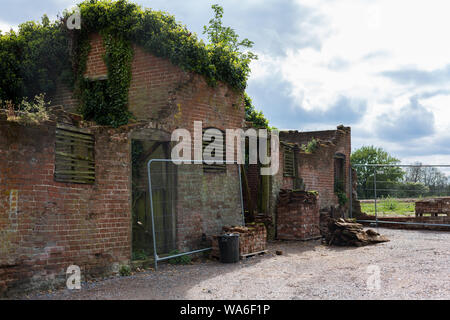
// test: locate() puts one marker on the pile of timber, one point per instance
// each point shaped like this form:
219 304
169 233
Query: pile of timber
342 232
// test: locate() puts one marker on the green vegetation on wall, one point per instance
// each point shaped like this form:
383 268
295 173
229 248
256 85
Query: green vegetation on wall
253 115
38 56
33 60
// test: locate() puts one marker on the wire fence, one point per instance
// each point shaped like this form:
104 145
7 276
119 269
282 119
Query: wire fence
387 191
189 203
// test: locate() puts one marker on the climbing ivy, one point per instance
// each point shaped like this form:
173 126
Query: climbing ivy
105 101
254 116
38 57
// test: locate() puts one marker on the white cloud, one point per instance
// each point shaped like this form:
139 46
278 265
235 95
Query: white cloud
5 27
365 39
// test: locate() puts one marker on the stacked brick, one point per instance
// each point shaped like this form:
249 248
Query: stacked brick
317 168
252 239
298 215
433 206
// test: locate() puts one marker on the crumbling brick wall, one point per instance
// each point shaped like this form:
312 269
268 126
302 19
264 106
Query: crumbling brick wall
298 215
46 226
165 96
317 168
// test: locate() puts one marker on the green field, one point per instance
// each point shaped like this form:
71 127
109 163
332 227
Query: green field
389 207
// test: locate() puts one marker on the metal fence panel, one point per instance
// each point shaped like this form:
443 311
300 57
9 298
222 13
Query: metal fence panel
394 190
189 204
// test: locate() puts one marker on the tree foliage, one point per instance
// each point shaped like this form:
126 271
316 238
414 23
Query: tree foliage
253 115
386 176
33 60
434 179
39 55
393 181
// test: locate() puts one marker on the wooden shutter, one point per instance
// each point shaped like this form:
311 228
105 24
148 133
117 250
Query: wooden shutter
215 167
74 155
289 161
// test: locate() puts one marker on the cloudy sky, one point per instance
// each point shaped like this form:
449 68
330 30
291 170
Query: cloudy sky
379 66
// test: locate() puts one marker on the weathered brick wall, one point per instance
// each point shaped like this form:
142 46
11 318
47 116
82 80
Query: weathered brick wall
317 168
47 226
168 97
206 202
298 217
163 97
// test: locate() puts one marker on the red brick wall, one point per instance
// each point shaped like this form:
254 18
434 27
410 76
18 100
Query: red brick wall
166 97
59 224
298 219
95 65
162 92
52 224
317 168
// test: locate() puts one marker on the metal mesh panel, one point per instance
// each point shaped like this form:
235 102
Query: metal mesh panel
189 206
400 191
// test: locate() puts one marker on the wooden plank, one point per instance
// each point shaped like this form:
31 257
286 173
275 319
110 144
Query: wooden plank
253 254
74 172
67 155
78 175
74 129
75 166
75 181
74 135
74 144
74 156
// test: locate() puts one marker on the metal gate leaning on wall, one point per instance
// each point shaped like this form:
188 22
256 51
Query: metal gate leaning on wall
408 192
191 202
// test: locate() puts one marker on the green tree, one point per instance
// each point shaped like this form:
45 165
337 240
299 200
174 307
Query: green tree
387 177
253 115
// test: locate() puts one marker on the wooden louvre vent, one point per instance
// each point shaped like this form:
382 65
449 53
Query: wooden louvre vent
219 148
289 161
74 155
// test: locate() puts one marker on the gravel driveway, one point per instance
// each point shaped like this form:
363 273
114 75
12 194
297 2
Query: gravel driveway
413 265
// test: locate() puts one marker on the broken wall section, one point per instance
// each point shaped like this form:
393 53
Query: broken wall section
298 215
317 168
45 225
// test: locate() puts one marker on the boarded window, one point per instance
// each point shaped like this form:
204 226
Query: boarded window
219 150
289 161
339 172
74 155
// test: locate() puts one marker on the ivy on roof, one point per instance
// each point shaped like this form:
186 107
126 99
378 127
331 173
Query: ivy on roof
39 55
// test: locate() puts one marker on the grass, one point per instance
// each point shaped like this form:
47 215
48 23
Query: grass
389 207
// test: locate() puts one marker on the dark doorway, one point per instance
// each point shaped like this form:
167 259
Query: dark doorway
162 186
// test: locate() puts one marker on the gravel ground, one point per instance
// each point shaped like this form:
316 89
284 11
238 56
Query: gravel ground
413 265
